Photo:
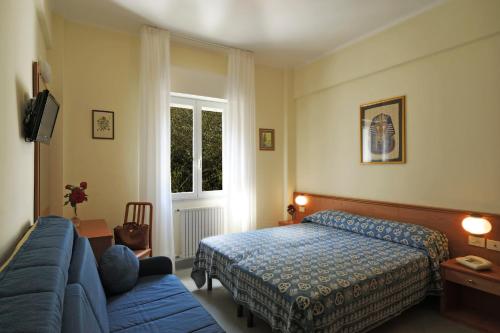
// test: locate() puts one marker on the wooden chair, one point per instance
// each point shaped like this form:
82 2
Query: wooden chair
139 213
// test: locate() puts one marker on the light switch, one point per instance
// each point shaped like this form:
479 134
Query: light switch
302 209
476 241
493 245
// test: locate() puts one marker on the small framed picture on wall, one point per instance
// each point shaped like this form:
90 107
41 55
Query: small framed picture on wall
266 139
103 124
382 127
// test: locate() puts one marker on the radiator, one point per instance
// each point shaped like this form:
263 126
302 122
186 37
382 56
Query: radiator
198 223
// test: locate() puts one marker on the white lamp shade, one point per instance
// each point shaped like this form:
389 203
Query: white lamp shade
301 200
476 225
45 71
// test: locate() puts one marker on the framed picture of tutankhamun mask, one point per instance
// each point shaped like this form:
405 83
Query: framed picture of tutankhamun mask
382 126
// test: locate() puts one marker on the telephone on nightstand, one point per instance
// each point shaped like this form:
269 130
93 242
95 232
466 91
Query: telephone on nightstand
474 262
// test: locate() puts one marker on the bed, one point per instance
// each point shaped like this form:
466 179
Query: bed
334 272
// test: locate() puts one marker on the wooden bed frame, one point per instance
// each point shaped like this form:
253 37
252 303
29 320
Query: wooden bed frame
447 221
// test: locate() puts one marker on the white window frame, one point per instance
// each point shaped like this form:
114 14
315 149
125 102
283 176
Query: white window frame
198 104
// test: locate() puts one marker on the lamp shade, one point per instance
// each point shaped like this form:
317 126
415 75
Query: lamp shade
301 200
476 225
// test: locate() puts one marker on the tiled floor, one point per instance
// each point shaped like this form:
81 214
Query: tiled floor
423 318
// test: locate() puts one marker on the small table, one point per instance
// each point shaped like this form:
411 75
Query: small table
287 222
471 297
99 235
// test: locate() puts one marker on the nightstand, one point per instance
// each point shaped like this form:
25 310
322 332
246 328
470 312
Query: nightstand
287 222
99 235
471 297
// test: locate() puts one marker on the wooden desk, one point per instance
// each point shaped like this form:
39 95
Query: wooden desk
471 297
99 235
283 223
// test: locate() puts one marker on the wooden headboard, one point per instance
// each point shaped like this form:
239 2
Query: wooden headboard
447 221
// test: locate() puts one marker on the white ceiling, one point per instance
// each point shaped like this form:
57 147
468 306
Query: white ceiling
280 32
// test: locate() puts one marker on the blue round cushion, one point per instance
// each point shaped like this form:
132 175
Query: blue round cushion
119 269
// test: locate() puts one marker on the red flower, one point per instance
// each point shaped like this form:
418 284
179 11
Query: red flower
77 196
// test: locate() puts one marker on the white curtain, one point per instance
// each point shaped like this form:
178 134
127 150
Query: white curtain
239 145
154 136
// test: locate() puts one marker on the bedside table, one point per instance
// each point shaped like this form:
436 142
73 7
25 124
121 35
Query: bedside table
99 235
471 297
287 222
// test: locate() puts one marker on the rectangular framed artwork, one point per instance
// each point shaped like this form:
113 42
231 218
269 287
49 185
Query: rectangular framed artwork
103 125
382 127
266 139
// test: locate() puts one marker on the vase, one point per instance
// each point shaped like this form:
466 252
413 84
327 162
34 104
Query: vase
76 221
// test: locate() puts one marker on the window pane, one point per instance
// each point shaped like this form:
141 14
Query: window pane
211 141
181 149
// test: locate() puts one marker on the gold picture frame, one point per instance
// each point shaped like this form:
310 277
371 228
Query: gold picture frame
383 131
266 139
103 125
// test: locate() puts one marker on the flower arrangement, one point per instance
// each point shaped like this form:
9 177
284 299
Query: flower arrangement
76 195
291 210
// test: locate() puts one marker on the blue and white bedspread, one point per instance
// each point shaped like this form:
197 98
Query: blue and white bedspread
335 272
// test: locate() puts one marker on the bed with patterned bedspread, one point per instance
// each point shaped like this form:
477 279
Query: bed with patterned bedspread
334 272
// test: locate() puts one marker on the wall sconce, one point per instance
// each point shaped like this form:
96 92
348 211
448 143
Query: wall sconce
45 72
301 201
476 225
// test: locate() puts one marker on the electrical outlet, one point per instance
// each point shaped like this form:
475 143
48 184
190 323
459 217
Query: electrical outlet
302 209
493 245
476 241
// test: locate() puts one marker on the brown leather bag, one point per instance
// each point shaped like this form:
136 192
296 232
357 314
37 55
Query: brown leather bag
133 235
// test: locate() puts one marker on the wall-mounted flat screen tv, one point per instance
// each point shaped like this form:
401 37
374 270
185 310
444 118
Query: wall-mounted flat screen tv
41 117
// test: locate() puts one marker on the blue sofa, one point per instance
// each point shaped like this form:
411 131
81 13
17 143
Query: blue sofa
52 285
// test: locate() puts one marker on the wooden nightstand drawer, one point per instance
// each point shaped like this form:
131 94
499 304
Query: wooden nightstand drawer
473 282
470 296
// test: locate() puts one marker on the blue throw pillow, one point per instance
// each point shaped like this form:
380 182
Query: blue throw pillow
119 269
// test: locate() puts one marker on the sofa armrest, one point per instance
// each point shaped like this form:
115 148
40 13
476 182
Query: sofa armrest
155 266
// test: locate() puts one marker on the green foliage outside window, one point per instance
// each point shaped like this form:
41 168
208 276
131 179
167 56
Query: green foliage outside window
181 149
211 133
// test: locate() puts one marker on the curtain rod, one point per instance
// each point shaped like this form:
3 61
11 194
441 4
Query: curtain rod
203 42
180 36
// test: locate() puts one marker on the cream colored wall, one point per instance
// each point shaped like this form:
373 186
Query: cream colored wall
44 182
290 144
22 43
51 160
55 57
198 71
442 28
269 89
446 61
101 72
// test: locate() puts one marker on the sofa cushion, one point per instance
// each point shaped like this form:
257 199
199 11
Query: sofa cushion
119 269
32 285
86 300
159 303
78 315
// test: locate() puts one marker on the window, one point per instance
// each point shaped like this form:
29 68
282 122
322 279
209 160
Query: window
196 146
